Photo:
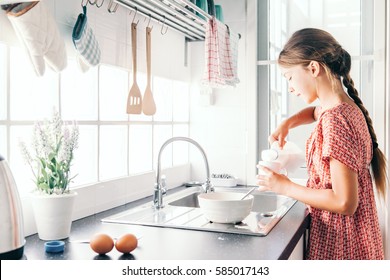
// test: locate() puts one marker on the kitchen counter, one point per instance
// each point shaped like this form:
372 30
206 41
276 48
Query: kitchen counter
167 243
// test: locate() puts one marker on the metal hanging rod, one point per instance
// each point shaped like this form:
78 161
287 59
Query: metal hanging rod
181 15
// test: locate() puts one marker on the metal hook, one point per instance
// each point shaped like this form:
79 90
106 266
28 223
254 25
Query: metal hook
150 17
86 3
162 28
101 4
92 3
136 10
110 6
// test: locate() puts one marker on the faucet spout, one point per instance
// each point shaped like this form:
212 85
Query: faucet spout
159 189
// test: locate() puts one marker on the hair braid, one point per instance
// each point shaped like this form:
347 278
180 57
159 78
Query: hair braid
353 93
378 162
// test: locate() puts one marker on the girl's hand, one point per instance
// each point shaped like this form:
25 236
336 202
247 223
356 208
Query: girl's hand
279 134
271 181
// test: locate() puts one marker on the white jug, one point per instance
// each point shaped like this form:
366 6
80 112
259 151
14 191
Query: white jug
289 158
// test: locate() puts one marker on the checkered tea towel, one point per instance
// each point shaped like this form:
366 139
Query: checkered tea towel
220 55
85 41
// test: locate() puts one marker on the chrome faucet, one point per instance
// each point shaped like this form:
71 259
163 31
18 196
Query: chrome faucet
159 186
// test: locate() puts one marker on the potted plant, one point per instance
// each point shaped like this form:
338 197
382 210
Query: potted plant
50 158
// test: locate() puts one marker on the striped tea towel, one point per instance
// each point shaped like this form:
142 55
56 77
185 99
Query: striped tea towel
233 55
220 55
85 41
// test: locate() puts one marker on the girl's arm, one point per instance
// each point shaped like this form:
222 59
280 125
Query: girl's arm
305 116
342 198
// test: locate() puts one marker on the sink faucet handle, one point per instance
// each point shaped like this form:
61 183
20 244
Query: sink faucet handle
207 186
163 185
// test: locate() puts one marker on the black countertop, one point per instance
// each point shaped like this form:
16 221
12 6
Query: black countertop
168 244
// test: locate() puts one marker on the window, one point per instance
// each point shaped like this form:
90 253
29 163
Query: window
112 144
350 22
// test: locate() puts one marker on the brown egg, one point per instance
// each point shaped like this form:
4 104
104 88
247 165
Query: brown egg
126 243
101 243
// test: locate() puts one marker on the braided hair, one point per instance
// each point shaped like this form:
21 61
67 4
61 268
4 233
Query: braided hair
312 44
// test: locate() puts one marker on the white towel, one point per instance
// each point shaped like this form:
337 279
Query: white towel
233 55
220 55
37 31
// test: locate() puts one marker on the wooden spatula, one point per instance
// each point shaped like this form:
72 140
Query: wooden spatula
134 99
148 105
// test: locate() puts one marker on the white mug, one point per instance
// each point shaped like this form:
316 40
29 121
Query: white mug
273 165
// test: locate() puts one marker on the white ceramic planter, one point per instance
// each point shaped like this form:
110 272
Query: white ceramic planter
53 215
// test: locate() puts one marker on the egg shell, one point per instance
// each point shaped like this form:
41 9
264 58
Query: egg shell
126 243
101 243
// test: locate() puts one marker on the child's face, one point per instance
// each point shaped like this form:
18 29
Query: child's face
301 82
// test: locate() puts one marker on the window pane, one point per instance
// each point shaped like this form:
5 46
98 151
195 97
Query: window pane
21 170
113 91
113 151
162 133
3 141
343 19
78 93
140 148
162 89
3 85
141 82
85 163
180 149
31 97
181 103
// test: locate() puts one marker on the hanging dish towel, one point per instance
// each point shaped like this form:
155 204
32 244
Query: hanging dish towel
87 47
37 31
232 48
220 55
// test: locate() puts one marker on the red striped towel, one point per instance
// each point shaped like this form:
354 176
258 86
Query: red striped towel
221 46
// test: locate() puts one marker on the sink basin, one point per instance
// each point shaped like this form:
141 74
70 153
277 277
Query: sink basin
182 211
262 203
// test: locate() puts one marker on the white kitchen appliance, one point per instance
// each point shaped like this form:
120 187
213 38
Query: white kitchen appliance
11 216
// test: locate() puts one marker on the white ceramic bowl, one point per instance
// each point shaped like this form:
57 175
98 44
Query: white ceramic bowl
225 207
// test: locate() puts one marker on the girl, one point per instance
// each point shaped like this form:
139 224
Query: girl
339 152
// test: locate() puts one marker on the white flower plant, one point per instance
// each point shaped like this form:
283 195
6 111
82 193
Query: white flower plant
51 154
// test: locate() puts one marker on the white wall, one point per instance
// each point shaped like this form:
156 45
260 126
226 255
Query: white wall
221 127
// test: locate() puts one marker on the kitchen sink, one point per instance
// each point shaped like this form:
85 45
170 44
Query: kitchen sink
182 211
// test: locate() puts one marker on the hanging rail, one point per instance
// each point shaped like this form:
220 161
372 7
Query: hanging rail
181 15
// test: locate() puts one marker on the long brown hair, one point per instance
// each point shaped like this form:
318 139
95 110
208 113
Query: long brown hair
312 44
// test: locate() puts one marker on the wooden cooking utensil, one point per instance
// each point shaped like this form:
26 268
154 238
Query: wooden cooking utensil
134 99
148 105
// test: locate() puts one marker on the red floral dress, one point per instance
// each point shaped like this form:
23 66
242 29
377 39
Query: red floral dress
342 134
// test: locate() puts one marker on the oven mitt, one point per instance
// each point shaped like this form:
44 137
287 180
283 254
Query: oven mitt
85 42
37 31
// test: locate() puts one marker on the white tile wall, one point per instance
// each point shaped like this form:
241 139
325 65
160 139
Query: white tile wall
221 128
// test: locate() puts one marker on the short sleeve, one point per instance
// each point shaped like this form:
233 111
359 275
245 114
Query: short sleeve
339 140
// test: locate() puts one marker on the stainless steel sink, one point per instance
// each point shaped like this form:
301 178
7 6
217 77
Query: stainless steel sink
182 211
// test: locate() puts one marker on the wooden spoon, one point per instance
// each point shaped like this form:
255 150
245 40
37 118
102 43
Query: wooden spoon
134 99
148 105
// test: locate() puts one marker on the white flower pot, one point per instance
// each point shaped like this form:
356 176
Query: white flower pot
53 214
